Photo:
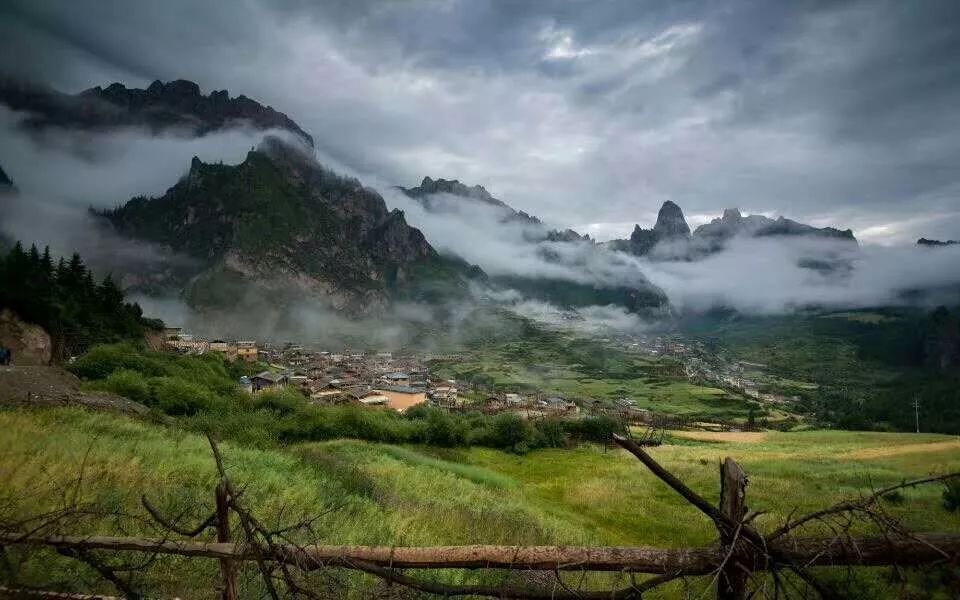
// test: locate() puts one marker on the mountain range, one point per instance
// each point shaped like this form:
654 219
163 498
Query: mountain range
279 226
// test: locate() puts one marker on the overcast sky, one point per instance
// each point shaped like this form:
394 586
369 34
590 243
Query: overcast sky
588 114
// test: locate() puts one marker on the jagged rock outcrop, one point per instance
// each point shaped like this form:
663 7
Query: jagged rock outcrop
284 223
5 183
566 235
937 243
30 344
670 222
435 194
671 226
162 106
715 234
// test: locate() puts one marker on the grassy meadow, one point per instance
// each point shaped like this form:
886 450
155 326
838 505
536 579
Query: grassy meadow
856 369
425 495
553 362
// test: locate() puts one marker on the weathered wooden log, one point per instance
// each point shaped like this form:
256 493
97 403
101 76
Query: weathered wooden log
732 583
227 568
918 549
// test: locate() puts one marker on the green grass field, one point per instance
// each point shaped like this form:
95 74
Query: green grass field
577 368
414 495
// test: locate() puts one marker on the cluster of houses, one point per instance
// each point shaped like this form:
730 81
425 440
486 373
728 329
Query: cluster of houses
186 343
371 379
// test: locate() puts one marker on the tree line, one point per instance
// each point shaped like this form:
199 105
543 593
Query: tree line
66 300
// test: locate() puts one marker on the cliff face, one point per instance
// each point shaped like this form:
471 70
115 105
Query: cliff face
174 105
30 344
284 223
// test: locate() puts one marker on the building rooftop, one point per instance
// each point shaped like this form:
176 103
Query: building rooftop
400 389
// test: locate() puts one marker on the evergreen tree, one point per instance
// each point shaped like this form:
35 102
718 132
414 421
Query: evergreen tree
66 300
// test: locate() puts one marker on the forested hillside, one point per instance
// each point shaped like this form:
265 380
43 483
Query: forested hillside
65 299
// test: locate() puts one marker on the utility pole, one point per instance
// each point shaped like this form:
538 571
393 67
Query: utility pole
916 411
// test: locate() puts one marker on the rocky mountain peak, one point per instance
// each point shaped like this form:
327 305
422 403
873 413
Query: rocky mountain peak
5 181
177 104
429 187
731 215
455 187
670 221
281 220
928 242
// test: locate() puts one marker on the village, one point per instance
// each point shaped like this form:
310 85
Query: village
369 379
386 380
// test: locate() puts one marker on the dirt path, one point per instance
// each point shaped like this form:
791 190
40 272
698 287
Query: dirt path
886 451
52 386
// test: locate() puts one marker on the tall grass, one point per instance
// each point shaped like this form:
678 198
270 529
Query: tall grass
411 495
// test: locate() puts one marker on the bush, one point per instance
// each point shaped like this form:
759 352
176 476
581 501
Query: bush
103 360
595 429
441 429
283 402
509 432
128 384
180 398
951 494
551 433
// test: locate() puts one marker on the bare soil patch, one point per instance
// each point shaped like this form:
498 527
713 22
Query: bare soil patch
38 386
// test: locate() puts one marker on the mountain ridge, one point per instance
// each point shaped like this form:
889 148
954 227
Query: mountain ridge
160 107
280 217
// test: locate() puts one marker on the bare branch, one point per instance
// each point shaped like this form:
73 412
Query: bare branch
210 521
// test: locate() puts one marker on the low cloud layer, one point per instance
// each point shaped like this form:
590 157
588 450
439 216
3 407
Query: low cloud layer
60 174
766 276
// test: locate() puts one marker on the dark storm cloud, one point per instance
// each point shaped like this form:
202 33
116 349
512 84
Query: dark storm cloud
581 112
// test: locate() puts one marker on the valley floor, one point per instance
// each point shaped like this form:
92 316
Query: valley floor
394 495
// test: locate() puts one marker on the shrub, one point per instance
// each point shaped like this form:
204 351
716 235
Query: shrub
177 397
551 433
951 494
595 429
103 360
128 384
283 402
509 432
440 429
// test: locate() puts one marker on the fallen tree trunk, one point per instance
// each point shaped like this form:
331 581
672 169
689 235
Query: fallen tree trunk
863 551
